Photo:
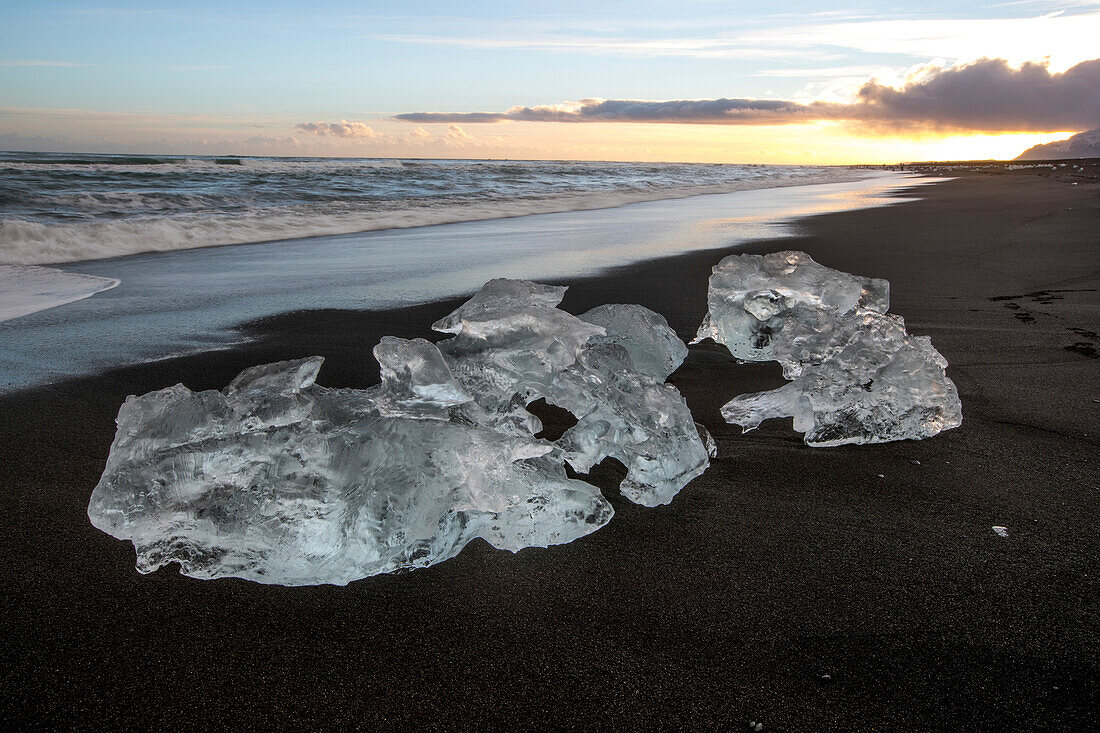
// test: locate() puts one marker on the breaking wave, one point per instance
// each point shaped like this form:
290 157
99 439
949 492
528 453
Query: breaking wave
65 208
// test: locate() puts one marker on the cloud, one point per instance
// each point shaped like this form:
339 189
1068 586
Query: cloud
987 95
357 136
990 95
74 130
1067 37
454 132
343 128
684 111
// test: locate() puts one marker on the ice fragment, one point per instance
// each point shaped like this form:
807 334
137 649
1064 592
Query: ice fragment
279 480
857 376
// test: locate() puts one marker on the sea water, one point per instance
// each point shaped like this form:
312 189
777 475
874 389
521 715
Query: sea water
183 300
60 207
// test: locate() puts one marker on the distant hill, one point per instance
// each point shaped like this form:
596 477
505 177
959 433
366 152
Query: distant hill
1081 145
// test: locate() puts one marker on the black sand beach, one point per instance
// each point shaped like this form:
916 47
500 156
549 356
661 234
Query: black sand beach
853 588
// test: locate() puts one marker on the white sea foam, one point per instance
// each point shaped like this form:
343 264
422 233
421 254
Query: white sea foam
26 242
26 289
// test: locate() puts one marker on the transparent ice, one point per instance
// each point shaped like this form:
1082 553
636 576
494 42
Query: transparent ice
857 376
279 480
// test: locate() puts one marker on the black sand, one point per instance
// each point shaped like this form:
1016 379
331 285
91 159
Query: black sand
856 588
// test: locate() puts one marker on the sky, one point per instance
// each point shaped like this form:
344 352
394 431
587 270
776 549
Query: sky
690 80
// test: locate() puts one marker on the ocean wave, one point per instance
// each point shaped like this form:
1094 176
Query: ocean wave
26 242
71 207
108 201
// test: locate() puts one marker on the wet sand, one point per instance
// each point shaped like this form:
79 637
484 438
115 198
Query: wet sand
852 588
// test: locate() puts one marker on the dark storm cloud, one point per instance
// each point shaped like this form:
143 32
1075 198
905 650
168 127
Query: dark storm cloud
987 95
990 95
683 111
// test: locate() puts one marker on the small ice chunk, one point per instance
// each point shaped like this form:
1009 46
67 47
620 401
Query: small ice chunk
25 289
415 378
284 377
857 375
502 294
515 325
1000 531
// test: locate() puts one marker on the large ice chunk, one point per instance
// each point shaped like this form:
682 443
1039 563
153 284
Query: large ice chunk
858 377
279 480
322 488
785 307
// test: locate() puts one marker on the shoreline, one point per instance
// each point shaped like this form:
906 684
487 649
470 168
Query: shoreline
189 301
849 588
677 196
